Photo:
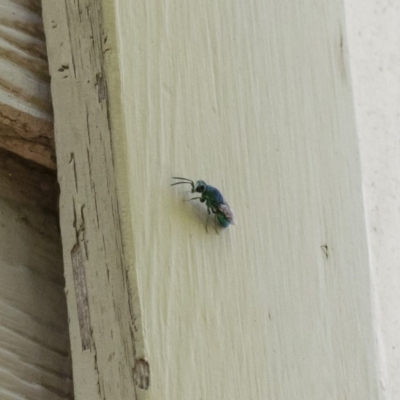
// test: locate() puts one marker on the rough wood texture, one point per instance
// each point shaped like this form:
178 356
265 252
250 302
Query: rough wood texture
104 327
34 341
26 126
255 99
29 183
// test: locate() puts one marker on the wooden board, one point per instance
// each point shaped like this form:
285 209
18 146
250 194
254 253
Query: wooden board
26 118
254 98
104 329
34 342
373 45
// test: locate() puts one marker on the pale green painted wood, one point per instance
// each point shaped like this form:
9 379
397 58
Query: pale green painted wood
254 98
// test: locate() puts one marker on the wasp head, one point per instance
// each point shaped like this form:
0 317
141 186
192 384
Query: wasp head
199 187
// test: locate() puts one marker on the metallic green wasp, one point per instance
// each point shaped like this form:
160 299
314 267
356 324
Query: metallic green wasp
214 200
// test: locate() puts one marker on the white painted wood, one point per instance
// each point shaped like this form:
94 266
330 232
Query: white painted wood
105 330
26 126
254 98
374 43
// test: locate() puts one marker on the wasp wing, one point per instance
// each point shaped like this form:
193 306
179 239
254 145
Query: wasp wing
226 210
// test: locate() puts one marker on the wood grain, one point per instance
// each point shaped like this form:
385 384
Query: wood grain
26 126
35 353
105 326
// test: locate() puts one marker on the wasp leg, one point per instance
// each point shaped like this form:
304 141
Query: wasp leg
194 198
215 224
208 216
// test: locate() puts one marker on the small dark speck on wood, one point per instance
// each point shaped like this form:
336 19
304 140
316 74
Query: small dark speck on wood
63 68
141 374
325 250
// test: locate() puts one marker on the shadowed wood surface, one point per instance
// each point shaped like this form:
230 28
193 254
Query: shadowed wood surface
255 99
26 126
34 342
35 349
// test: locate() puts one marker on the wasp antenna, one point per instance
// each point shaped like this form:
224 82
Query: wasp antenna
184 179
178 183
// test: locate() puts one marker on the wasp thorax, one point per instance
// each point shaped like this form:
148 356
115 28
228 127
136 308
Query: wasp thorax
200 186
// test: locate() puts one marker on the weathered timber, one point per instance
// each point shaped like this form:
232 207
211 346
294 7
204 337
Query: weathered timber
102 300
26 119
34 341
